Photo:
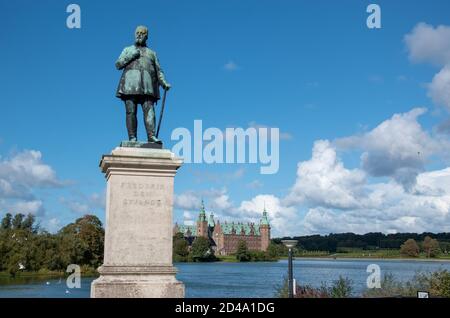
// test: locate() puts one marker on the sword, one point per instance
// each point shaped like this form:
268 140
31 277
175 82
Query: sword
162 112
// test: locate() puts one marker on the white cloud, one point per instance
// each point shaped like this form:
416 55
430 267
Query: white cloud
27 169
24 171
216 200
426 43
52 225
188 200
323 180
188 218
388 208
20 175
439 88
281 217
397 148
35 207
432 45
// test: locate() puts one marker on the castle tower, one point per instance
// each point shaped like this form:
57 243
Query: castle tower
264 228
202 223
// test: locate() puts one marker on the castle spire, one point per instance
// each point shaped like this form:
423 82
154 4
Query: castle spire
265 219
211 222
202 214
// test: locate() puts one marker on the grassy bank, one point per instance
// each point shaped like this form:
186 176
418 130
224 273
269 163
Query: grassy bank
369 254
45 273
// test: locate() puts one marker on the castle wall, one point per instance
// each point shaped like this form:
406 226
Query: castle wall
231 241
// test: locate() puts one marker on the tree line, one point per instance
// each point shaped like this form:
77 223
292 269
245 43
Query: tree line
333 243
25 246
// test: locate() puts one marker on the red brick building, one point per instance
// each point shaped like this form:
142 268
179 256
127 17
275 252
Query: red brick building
224 237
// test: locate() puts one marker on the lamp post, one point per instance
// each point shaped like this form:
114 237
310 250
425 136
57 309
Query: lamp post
290 244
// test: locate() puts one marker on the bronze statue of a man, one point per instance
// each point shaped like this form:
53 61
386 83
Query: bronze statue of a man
142 75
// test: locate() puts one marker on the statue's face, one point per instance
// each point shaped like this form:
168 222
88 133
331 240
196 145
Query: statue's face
141 36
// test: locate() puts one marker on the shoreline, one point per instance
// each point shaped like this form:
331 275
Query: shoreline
372 259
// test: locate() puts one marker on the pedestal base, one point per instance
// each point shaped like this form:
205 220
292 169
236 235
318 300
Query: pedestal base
137 282
139 225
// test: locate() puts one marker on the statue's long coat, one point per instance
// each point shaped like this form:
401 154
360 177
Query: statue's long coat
141 76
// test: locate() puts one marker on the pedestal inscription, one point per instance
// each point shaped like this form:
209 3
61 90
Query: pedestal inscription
138 236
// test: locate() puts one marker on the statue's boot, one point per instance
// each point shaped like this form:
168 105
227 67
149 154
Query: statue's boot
153 139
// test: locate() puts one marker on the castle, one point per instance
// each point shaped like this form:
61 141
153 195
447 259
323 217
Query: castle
224 237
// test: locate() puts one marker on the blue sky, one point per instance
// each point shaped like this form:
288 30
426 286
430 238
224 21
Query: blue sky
311 68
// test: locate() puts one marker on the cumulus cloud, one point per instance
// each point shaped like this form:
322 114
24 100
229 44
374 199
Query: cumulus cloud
381 206
323 180
20 175
388 208
216 200
428 44
24 171
35 206
439 88
281 217
188 218
397 148
188 200
27 169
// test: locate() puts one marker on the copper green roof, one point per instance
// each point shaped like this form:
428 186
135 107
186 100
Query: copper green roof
202 214
227 228
264 220
184 229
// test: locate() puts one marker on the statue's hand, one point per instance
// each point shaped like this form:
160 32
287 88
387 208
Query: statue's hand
166 86
136 54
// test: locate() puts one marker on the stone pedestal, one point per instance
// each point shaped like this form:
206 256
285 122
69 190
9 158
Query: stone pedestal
138 236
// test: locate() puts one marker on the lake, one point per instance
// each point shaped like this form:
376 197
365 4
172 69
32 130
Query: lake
241 280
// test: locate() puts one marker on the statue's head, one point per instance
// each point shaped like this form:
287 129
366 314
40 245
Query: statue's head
141 35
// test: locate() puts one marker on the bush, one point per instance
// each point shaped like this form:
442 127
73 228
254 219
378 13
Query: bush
410 248
436 283
340 288
242 253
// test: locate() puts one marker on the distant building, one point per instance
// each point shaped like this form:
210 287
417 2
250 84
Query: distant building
224 237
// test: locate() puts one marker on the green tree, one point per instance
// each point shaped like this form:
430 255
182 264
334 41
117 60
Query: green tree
82 242
410 248
17 221
431 247
28 223
180 248
242 253
6 222
201 250
272 251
